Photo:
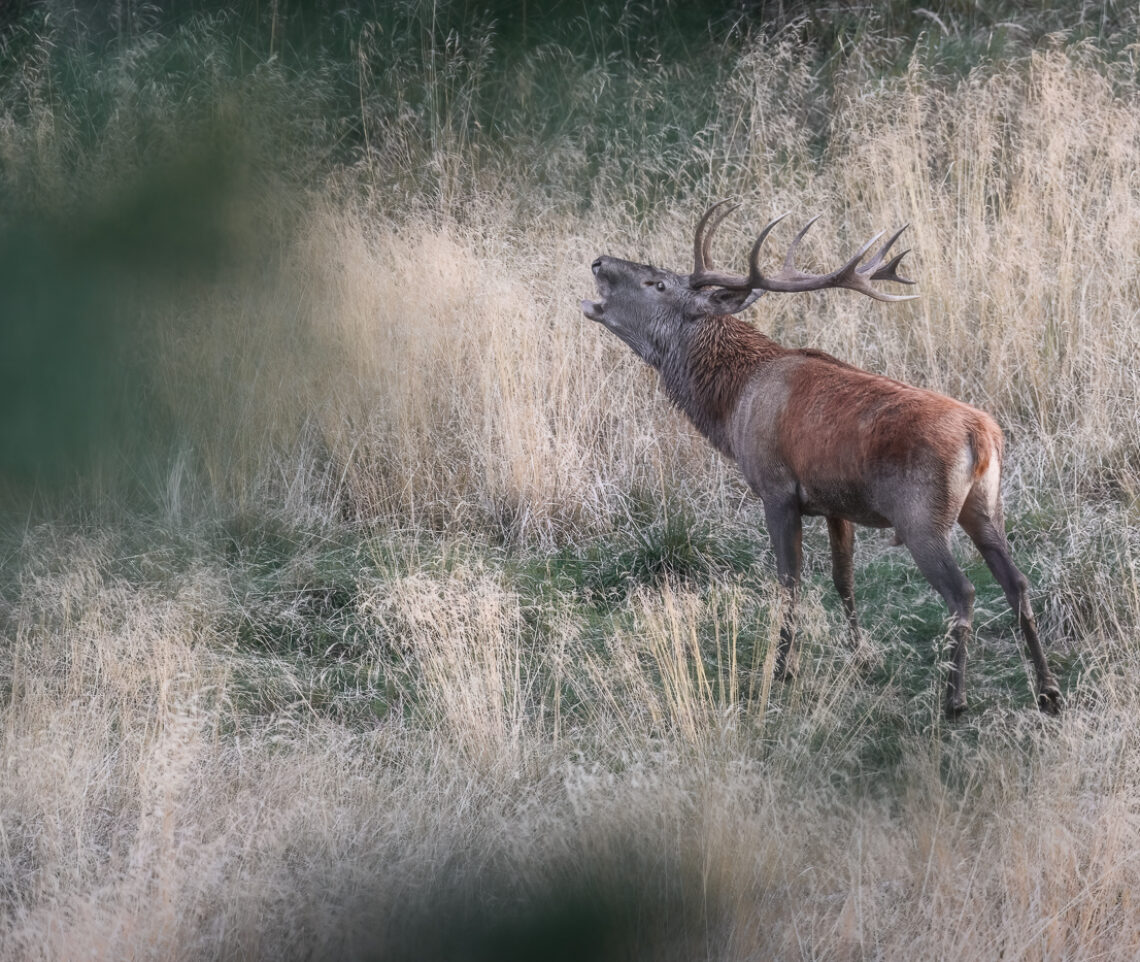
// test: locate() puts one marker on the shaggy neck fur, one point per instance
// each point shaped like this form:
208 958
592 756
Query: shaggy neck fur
705 374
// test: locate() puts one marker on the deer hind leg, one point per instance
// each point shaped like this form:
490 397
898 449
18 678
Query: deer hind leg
981 517
931 552
785 528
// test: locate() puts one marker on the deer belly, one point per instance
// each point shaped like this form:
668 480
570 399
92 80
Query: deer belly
839 500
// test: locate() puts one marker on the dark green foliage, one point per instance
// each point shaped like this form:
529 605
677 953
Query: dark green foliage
132 182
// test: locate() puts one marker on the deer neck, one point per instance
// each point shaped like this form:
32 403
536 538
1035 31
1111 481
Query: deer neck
706 376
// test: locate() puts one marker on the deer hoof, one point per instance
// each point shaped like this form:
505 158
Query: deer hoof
1049 698
864 656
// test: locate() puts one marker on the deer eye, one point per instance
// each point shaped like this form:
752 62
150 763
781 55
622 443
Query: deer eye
660 286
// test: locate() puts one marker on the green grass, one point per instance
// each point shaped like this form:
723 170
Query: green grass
296 623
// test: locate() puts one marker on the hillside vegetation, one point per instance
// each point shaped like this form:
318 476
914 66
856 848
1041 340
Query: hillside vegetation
360 599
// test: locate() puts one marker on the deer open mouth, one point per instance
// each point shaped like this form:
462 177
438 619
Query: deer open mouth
593 309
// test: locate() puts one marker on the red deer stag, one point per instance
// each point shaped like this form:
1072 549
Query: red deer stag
816 436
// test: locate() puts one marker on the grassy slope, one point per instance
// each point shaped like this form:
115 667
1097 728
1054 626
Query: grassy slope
403 619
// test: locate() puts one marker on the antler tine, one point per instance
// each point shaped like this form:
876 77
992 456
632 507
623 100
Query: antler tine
852 266
790 260
887 273
860 279
704 275
712 228
875 261
755 278
768 227
856 279
702 241
860 283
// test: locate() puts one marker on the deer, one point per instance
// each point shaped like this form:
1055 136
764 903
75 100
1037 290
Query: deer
816 436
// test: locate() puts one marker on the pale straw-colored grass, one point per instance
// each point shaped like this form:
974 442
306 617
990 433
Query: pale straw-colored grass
442 374
147 814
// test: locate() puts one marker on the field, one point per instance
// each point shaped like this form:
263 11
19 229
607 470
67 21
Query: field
360 599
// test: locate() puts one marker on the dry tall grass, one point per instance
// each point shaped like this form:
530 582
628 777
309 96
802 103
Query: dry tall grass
171 792
439 365
147 814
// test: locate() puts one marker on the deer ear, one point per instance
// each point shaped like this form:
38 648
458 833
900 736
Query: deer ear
723 300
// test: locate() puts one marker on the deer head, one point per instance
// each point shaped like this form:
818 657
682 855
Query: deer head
648 307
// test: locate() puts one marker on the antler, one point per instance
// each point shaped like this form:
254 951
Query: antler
789 279
703 274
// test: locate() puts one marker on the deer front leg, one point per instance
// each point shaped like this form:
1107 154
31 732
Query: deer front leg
842 535
785 528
